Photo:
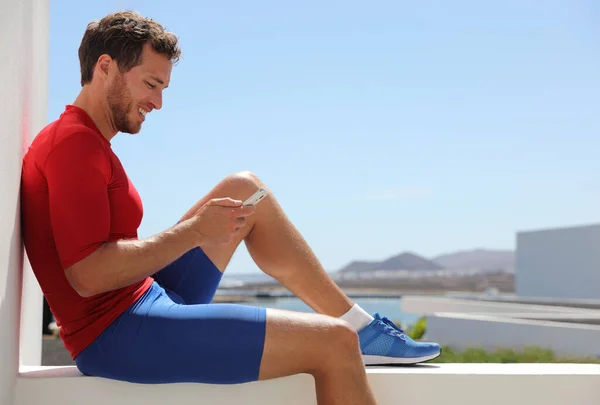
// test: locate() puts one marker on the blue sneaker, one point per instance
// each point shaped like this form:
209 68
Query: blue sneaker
382 342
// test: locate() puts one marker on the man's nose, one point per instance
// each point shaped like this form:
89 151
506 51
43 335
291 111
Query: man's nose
156 102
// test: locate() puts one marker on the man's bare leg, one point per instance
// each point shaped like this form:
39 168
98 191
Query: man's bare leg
277 248
322 346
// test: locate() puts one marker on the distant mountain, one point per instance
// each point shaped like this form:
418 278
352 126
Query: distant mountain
482 259
407 261
403 261
358 265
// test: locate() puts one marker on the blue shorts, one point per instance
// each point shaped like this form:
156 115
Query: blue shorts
173 334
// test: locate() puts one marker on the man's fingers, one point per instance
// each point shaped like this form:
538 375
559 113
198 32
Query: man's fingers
241 212
225 202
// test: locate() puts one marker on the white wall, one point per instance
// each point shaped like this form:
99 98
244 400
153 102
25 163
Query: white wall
559 263
499 324
462 331
23 100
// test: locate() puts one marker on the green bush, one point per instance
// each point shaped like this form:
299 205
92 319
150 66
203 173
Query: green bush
417 331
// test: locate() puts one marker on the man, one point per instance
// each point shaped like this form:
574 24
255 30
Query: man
139 309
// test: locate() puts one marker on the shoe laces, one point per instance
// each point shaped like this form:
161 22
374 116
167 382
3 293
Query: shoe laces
389 327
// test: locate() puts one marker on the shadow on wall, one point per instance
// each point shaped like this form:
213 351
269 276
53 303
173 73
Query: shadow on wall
10 291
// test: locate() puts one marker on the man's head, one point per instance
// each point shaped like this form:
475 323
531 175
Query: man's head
129 58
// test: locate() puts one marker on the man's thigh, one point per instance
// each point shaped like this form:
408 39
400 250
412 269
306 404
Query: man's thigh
160 341
193 277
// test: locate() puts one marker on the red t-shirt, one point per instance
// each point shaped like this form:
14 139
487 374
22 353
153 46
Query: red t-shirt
76 196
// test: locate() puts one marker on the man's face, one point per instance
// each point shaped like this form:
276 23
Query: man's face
133 94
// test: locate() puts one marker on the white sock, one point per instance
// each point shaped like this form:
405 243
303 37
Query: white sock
357 317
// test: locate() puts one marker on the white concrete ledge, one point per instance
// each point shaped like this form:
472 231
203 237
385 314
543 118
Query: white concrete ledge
449 384
421 304
588 303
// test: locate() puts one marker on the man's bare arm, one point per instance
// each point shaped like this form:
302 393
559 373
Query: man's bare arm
122 263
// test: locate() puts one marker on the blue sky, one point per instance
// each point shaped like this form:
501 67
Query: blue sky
380 127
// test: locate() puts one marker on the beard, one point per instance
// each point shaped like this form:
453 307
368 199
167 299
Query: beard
120 104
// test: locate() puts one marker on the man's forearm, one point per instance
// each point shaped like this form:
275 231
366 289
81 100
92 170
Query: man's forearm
125 262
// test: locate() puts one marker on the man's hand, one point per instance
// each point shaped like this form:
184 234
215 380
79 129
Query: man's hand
219 220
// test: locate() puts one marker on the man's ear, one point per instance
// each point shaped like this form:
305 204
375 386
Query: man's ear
103 66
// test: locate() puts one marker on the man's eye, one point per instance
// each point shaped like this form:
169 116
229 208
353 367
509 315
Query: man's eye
150 85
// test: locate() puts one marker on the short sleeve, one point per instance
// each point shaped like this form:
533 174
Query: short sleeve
78 171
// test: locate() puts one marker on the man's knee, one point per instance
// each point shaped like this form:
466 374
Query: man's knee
338 349
344 336
244 180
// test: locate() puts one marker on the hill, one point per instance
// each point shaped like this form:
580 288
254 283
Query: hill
358 265
481 259
408 261
402 261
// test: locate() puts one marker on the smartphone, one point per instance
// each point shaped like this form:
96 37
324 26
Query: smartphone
256 197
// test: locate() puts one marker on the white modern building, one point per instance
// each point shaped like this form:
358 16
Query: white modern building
23 381
561 263
556 305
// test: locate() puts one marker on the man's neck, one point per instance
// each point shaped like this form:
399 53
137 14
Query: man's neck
97 110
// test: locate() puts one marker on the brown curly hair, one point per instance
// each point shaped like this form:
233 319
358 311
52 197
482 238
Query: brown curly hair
122 36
